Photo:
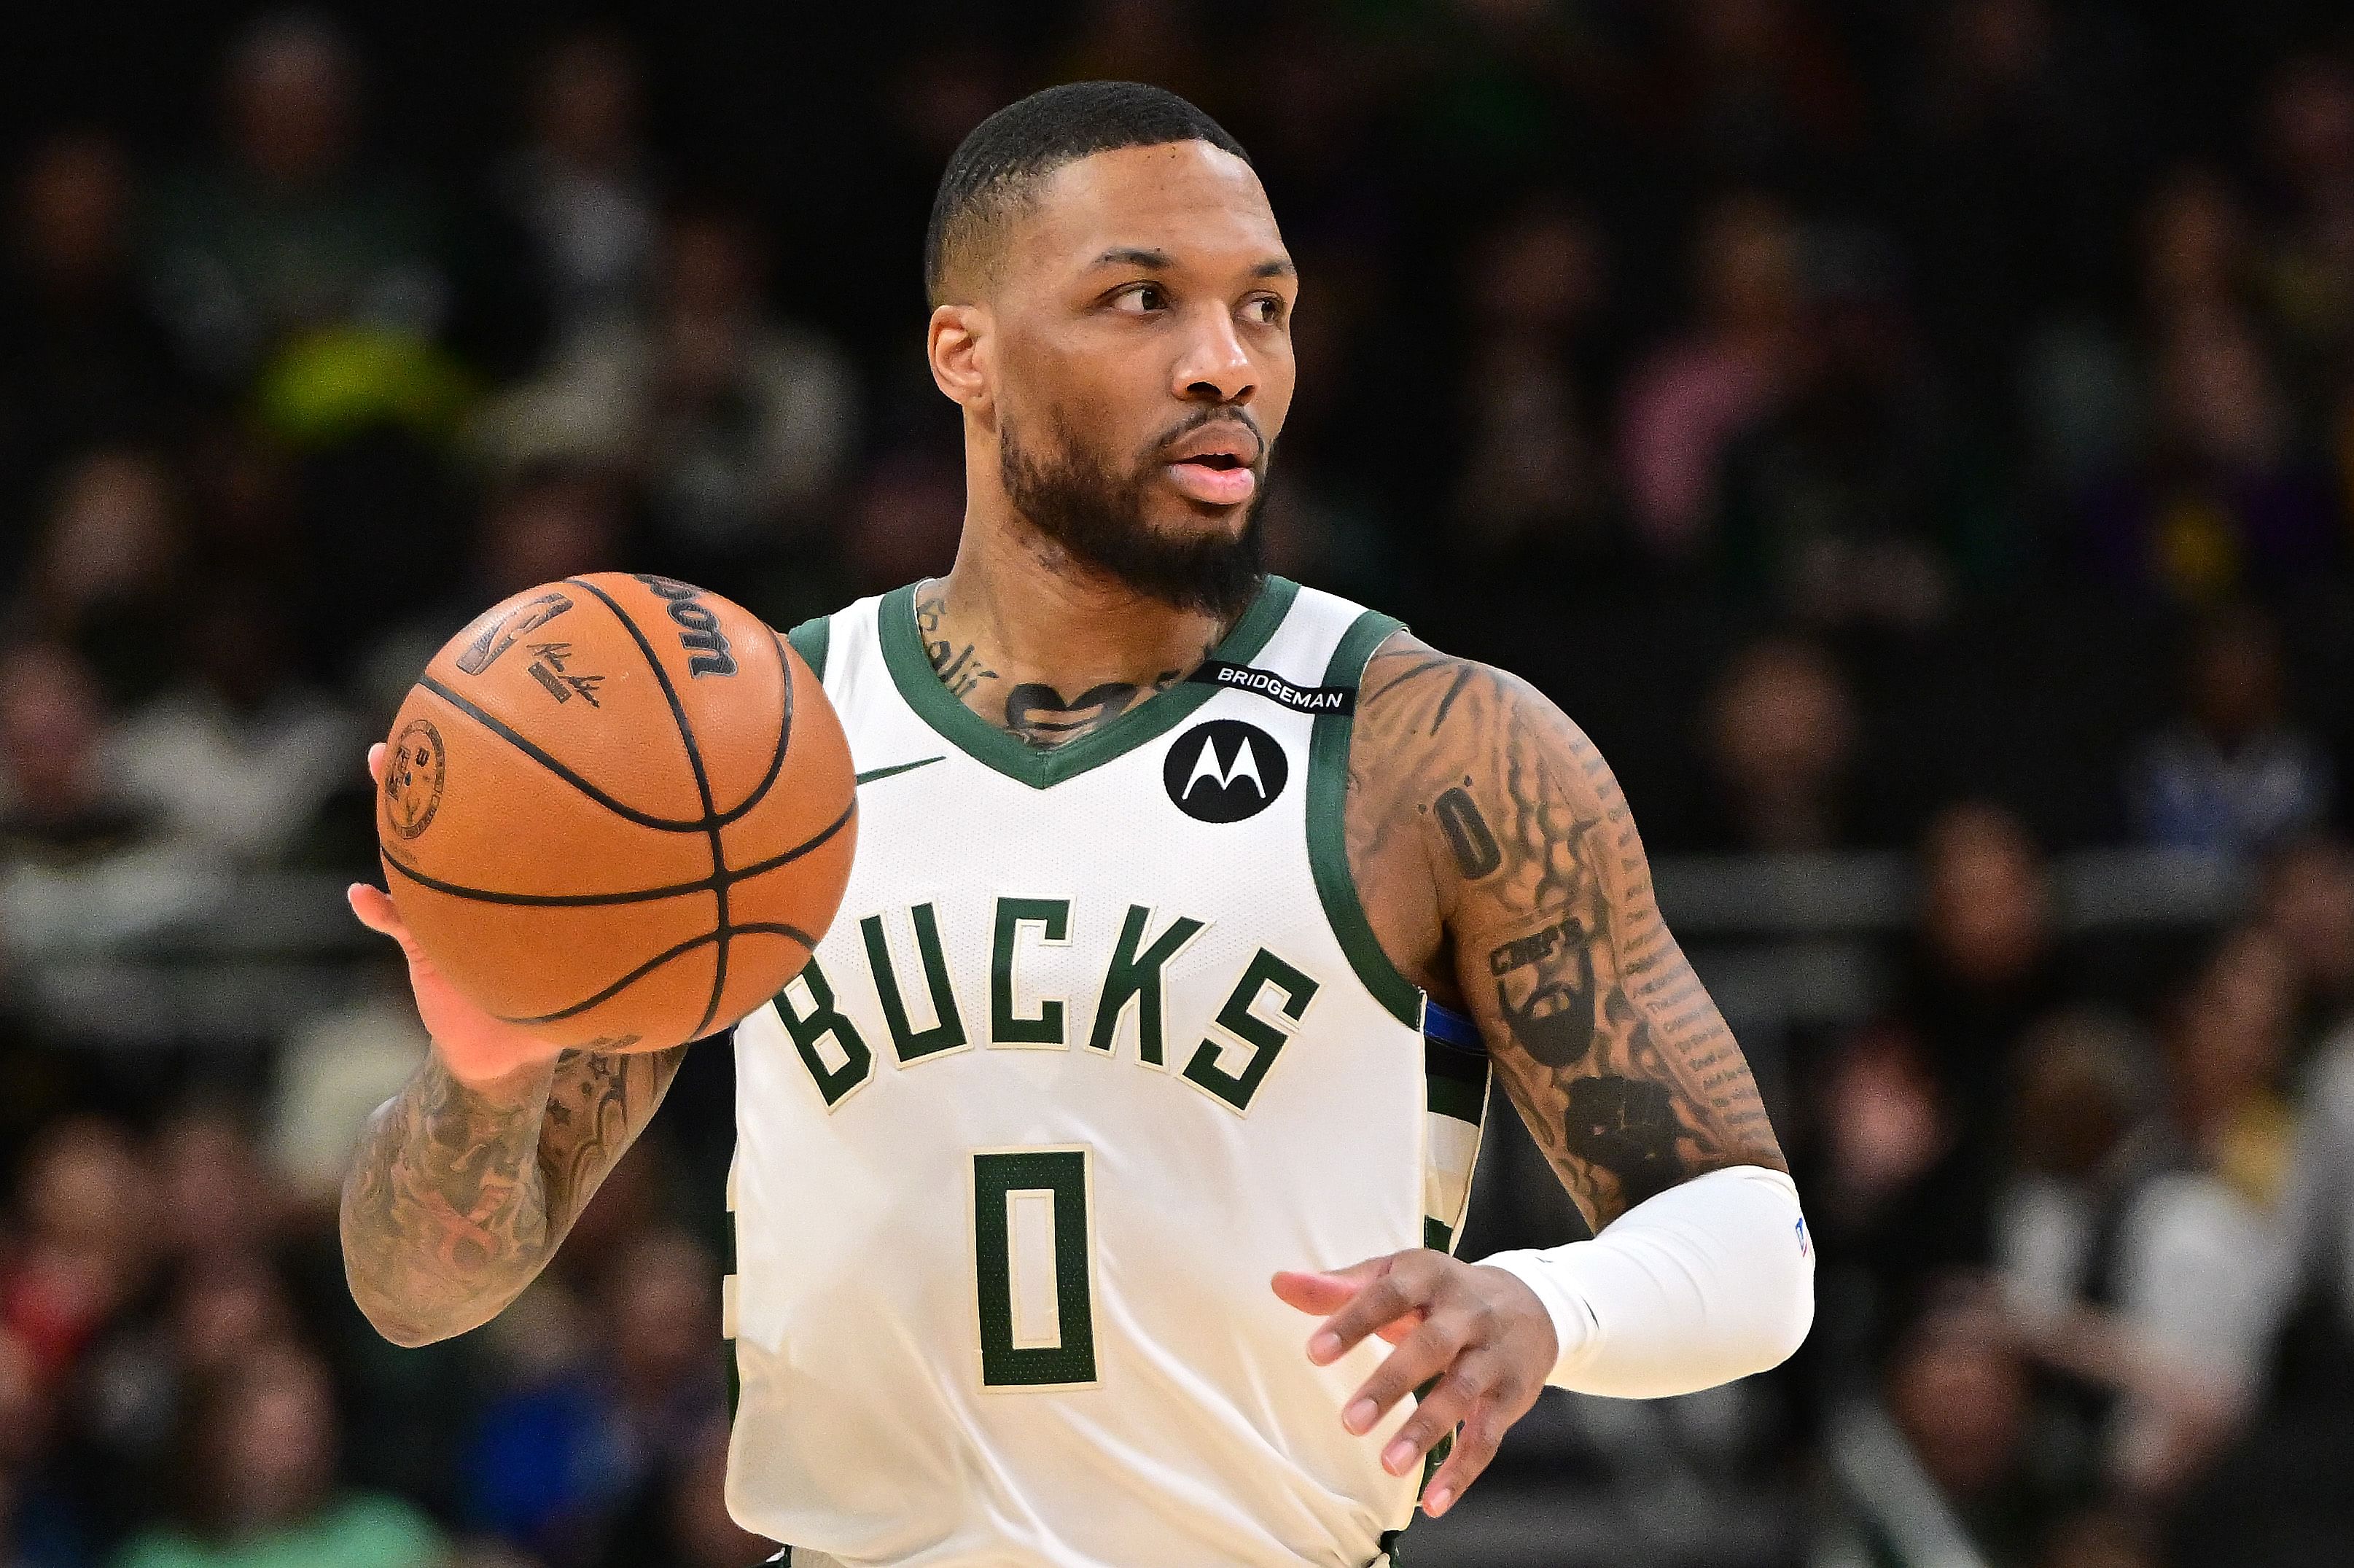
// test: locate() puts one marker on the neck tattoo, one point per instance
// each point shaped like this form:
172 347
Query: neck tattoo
1040 715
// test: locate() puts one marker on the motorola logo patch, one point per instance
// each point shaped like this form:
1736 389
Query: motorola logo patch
1225 771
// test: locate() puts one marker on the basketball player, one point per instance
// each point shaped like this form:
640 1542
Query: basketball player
1095 1182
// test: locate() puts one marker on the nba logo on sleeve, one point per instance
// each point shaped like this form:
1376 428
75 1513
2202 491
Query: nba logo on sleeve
1224 771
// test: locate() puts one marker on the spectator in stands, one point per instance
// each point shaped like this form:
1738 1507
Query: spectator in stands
582 187
1759 90
87 1243
38 1525
82 359
2233 774
548 521
107 578
1533 487
2185 1284
1848 502
1959 1395
2306 278
2307 906
734 423
1911 1115
256 1482
287 237
2224 496
555 1463
682 1518
57 804
211 1180
1900 1199
1694 397
1781 752
2083 1138
2023 120
239 757
1987 963
2299 1468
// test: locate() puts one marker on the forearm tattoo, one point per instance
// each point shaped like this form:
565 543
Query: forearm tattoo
1602 1034
456 1201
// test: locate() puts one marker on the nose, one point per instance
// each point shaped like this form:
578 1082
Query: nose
1214 367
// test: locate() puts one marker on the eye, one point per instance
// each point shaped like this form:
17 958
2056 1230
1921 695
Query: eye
1267 310
1138 299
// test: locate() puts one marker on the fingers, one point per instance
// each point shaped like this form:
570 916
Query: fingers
1475 1448
1429 1351
376 763
374 907
1326 1291
1436 1413
1401 1288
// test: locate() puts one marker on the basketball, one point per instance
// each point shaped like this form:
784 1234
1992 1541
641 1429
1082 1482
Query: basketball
617 810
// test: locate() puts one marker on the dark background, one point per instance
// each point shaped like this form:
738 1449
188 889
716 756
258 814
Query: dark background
1915 438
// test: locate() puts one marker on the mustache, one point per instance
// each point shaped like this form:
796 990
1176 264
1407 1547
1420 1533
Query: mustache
1221 414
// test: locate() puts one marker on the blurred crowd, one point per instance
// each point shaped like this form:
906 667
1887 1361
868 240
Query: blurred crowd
1924 428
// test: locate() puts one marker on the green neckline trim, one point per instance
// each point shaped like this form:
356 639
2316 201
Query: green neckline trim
810 640
1328 848
911 672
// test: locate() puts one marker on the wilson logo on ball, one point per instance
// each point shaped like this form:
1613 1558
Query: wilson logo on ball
699 630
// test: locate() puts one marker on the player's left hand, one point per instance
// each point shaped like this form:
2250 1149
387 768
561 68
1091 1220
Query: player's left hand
1481 1332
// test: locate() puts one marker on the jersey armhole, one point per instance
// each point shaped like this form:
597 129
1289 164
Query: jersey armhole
810 640
1328 849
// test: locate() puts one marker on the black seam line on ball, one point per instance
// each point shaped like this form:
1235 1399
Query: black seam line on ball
628 896
500 727
702 788
743 808
765 927
784 738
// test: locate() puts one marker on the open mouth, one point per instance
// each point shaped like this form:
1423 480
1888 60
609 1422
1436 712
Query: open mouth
1214 466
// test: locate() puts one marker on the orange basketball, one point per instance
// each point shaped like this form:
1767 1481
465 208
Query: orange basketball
617 810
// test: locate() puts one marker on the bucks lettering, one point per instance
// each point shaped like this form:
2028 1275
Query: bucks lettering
919 1016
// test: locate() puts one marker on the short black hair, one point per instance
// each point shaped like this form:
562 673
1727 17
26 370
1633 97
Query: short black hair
1007 155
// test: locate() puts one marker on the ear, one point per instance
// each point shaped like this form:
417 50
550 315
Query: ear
957 341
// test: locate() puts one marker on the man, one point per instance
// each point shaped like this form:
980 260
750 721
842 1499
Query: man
1175 885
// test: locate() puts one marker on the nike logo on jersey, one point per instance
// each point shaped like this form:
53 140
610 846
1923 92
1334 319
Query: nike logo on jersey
872 774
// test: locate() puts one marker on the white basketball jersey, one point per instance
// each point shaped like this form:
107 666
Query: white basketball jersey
1099 1040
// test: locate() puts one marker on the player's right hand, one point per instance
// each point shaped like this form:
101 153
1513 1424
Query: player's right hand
478 1048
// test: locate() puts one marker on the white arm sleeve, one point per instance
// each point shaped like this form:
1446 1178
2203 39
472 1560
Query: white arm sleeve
1709 1281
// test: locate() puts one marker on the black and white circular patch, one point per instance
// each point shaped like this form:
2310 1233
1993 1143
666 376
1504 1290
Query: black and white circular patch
1225 771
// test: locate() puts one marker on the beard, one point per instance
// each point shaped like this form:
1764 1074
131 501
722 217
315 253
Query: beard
1099 518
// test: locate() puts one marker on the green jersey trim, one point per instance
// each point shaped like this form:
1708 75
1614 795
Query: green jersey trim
911 672
1328 849
810 640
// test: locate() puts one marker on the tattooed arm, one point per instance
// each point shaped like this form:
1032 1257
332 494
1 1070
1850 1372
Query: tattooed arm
466 1180
460 1193
1503 871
